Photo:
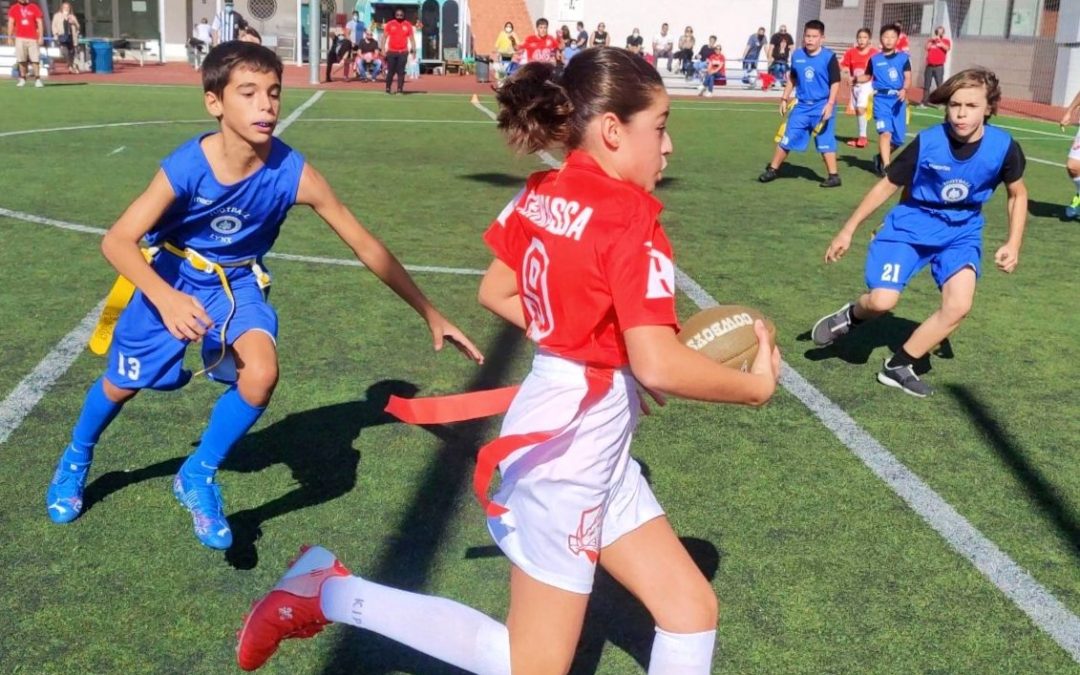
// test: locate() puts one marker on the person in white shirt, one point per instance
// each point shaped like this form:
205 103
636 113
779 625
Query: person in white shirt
663 45
227 24
201 38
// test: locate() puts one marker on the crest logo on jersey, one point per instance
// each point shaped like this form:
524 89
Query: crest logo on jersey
226 225
534 291
955 190
893 75
587 538
809 72
661 275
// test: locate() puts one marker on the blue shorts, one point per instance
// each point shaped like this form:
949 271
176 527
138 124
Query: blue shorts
800 125
890 117
144 355
891 264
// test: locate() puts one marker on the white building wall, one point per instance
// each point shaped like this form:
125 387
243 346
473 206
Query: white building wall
731 21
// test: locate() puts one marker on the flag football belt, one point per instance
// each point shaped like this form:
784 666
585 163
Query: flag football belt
782 129
477 404
123 290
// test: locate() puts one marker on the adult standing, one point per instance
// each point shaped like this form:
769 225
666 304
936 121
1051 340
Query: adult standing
780 43
26 26
752 53
227 24
398 40
937 51
506 44
355 29
65 28
663 45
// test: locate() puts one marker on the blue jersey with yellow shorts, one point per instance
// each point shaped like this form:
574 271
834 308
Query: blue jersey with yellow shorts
939 220
231 225
890 113
812 85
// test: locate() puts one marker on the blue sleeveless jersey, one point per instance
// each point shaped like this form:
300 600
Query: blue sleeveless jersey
227 223
813 73
946 194
888 72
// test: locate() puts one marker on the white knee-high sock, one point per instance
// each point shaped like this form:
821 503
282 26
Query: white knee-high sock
446 630
862 125
682 653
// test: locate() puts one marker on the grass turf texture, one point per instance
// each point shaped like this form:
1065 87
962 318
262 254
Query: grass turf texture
819 566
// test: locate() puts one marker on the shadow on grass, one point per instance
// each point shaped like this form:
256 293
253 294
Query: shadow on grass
789 170
497 179
317 446
114 481
410 553
1047 210
1045 496
887 330
856 162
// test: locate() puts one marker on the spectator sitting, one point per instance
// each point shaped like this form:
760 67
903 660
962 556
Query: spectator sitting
65 28
663 45
634 42
750 57
781 43
715 69
582 39
702 59
201 38
600 36
566 42
685 55
506 44
368 63
249 34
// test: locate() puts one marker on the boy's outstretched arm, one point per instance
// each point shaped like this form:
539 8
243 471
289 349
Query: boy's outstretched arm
315 192
877 196
182 314
1008 256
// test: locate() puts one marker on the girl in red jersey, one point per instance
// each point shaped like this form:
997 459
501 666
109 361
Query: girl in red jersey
584 267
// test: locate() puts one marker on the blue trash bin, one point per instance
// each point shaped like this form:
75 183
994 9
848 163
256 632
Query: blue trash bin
101 55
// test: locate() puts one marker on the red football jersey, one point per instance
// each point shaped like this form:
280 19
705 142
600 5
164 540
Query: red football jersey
397 35
903 44
591 259
855 61
542 49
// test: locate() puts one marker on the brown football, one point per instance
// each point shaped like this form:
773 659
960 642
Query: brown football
725 334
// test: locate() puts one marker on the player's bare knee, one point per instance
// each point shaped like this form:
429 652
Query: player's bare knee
115 393
694 611
1073 167
881 302
956 310
257 382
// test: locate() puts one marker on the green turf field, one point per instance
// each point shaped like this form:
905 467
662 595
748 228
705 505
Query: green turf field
819 565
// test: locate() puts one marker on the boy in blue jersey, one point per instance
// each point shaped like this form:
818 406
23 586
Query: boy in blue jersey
210 214
948 172
815 79
890 77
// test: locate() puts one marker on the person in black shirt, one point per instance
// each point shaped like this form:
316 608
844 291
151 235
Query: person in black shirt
780 43
634 42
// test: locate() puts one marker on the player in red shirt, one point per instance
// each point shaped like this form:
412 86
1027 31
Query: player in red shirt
26 25
583 266
903 44
397 43
541 48
854 63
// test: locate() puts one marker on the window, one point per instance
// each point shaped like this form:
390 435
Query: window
916 17
1004 18
841 4
262 9
1025 18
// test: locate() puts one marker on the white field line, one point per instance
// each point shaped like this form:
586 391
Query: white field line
295 115
18 404
318 260
1045 610
117 151
386 120
81 127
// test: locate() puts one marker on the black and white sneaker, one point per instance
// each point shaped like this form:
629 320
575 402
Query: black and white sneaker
832 327
904 379
832 181
769 175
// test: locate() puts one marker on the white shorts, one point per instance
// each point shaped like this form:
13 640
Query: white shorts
570 496
860 95
1074 153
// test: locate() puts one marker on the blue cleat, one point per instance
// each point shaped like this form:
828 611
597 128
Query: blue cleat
203 499
1073 210
63 500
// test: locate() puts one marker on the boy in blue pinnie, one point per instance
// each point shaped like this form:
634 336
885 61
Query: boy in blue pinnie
890 77
210 214
947 173
815 79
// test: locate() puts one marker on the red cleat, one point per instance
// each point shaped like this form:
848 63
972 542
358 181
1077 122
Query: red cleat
858 142
290 610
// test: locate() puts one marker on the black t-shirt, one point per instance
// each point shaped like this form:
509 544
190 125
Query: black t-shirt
902 170
369 45
834 72
781 46
634 41
600 39
706 52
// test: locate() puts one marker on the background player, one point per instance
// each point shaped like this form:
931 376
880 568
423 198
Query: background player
214 209
815 78
948 172
890 76
541 47
596 292
1072 166
854 62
